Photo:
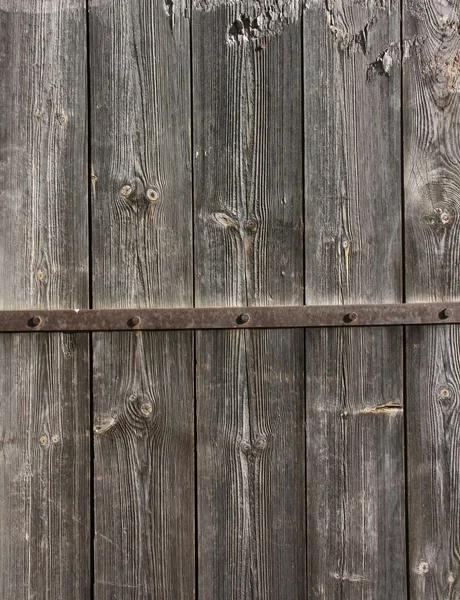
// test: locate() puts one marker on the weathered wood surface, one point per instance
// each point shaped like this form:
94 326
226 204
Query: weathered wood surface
44 388
45 546
144 457
433 387
432 207
353 248
142 256
248 250
355 464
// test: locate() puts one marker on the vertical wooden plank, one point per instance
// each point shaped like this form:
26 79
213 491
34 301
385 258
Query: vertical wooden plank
44 390
142 256
355 464
248 250
355 472
433 379
432 198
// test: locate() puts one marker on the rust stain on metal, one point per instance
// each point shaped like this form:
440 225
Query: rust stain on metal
269 317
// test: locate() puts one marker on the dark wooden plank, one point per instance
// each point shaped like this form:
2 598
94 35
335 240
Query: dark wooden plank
142 256
44 467
144 456
44 389
355 471
248 250
432 195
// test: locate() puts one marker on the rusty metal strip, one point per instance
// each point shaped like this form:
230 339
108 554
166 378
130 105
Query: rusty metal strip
229 318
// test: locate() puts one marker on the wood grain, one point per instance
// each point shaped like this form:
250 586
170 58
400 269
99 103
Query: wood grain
355 464
353 251
144 456
433 384
251 464
432 195
44 388
249 250
432 149
44 467
142 256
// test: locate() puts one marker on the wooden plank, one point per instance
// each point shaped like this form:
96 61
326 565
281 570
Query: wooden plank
44 467
355 466
44 389
355 472
251 464
142 257
431 125
248 250
144 457
431 153
433 379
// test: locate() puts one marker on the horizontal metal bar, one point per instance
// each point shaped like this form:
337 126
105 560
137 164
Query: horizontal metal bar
269 317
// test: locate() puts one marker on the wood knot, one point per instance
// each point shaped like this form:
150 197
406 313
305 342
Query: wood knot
152 195
422 567
251 225
445 395
226 220
103 425
260 443
126 191
440 218
245 448
146 409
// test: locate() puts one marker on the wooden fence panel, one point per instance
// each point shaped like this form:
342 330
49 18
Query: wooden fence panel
432 206
355 453
44 384
249 250
142 256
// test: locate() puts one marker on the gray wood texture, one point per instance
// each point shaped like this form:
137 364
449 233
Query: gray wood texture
44 387
355 464
432 204
142 256
433 383
353 250
248 250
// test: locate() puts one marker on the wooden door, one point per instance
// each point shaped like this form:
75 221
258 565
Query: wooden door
193 153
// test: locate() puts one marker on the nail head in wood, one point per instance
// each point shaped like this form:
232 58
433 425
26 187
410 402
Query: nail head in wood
350 317
446 313
244 318
35 321
134 321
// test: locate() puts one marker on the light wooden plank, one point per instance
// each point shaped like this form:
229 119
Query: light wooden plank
353 253
248 250
355 466
44 388
142 256
433 379
432 200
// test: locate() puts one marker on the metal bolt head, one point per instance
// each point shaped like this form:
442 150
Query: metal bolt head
351 316
446 313
244 318
134 321
35 321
